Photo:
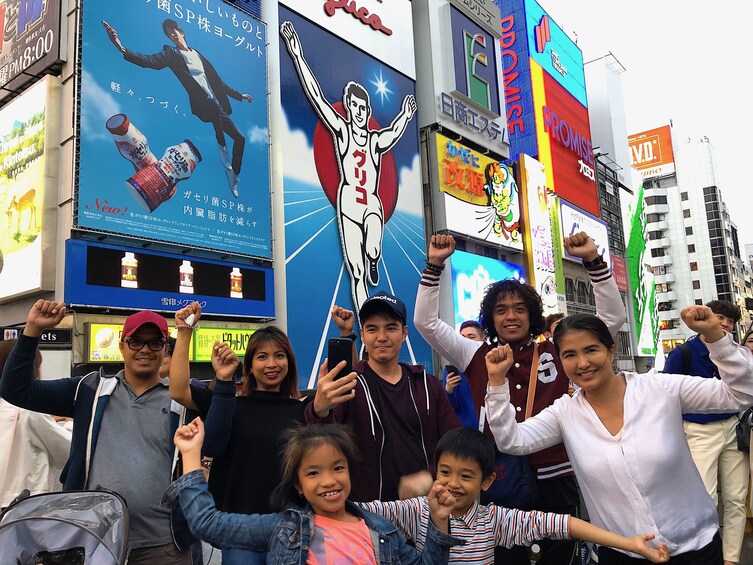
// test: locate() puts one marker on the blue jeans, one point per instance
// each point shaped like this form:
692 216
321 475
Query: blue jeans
235 556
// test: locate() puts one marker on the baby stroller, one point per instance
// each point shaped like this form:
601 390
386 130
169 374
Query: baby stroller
65 528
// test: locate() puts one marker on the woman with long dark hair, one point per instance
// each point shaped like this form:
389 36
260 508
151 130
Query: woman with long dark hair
624 433
244 433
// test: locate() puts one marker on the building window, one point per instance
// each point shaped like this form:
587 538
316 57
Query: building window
569 290
693 266
699 301
689 230
686 213
697 285
691 248
683 196
657 253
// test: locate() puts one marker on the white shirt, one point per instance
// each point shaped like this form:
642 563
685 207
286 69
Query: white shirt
196 68
30 445
643 480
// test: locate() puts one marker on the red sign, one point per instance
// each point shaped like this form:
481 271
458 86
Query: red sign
619 272
361 14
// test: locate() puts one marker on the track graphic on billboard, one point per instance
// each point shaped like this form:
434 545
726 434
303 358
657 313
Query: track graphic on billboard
353 208
174 137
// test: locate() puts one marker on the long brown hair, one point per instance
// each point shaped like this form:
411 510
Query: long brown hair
289 385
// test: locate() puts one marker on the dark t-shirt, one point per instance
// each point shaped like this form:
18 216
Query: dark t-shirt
247 472
403 451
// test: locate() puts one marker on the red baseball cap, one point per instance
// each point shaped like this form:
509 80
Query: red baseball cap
135 321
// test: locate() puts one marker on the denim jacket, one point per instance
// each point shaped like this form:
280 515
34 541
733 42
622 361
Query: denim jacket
286 535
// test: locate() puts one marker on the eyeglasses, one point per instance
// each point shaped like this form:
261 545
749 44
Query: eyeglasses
138 344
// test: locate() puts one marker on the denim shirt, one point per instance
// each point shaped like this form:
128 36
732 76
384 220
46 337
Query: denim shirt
286 535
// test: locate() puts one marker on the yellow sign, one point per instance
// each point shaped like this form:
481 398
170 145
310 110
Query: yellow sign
104 342
204 339
463 172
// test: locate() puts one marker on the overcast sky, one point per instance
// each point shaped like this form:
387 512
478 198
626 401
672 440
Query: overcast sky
684 61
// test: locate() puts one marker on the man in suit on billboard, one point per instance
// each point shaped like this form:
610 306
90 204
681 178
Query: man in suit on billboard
207 92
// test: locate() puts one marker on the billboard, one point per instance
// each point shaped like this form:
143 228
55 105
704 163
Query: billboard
351 172
30 41
542 260
651 152
28 188
545 101
480 195
575 220
174 138
116 276
645 318
471 275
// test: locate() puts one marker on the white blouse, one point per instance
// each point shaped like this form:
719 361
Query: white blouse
643 480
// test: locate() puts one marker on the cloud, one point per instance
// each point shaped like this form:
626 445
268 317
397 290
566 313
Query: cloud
409 199
298 155
258 135
101 105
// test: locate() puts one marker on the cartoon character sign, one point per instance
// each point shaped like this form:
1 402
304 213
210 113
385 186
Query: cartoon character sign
503 193
359 150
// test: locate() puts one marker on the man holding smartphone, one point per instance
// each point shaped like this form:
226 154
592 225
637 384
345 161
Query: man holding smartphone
397 411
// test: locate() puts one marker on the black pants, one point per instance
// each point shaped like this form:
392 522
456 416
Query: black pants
560 496
223 124
710 554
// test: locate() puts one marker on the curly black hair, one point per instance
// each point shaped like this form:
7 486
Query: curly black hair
530 298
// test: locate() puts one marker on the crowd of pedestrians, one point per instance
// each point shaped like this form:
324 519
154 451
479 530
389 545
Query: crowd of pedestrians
389 464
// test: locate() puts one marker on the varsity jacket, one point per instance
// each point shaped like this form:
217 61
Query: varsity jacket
84 399
435 414
468 356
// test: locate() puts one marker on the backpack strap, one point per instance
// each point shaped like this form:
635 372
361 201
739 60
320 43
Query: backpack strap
687 358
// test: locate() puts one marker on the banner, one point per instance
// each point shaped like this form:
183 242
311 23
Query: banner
481 198
174 138
575 220
28 171
30 40
351 173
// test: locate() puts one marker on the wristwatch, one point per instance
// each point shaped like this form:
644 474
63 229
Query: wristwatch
594 262
352 337
206 463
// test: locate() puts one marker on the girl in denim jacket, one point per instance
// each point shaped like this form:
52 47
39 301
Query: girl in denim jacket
318 524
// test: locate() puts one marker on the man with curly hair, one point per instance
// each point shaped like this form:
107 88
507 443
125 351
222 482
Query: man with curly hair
512 313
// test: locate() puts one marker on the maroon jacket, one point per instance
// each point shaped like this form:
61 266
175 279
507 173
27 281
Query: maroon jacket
435 414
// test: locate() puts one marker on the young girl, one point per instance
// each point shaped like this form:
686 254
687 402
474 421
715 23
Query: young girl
625 436
318 523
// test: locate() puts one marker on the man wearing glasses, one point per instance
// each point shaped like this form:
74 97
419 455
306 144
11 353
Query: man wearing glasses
122 426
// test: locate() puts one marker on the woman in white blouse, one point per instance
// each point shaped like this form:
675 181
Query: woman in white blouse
624 434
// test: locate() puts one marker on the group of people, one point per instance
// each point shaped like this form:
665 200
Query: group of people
387 464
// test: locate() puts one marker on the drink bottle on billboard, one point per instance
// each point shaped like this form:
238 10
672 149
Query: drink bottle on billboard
131 143
155 184
236 283
128 271
186 278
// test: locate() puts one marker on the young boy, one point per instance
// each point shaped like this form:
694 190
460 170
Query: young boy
465 466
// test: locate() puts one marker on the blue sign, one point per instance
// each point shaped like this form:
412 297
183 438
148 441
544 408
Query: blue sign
471 275
351 171
116 276
174 137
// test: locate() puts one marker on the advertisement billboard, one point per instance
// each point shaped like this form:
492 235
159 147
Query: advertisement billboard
540 246
645 317
575 220
481 197
351 174
116 276
619 272
30 42
174 138
651 152
28 187
471 275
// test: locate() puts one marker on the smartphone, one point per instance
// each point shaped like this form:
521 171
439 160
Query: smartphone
451 369
340 349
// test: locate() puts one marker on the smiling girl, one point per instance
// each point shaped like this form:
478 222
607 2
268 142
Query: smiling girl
317 524
624 434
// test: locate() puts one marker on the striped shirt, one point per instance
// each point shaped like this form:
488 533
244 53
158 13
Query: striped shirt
481 528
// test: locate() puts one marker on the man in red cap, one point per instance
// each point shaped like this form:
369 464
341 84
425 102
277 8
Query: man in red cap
122 426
